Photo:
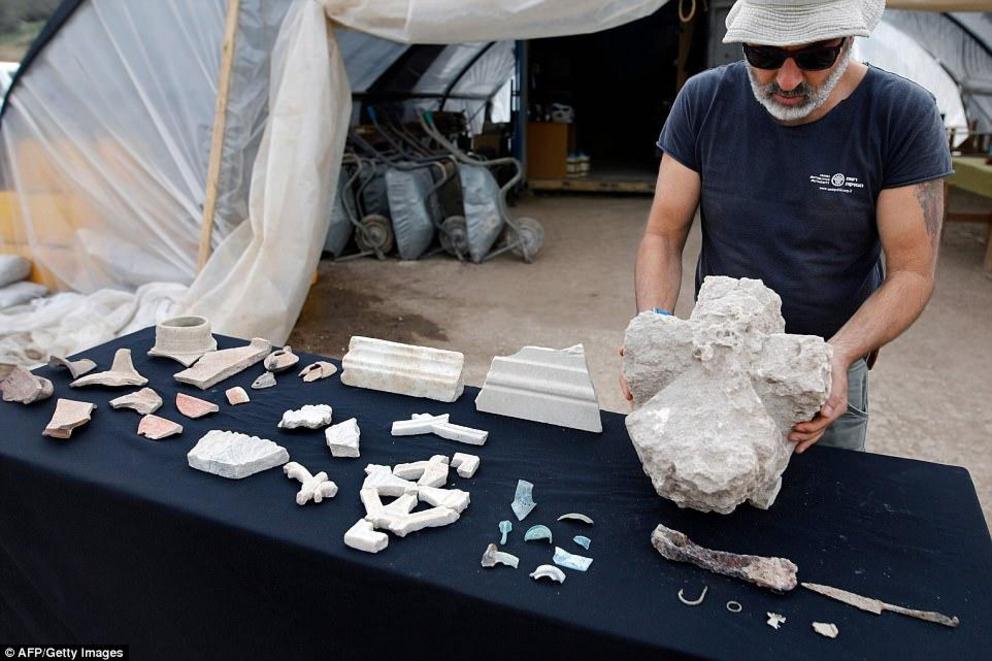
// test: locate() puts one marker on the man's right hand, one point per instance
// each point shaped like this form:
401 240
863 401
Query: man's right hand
624 387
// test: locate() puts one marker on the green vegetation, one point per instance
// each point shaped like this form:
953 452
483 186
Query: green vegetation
20 22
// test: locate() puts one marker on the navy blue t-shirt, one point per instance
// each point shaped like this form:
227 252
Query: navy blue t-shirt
795 205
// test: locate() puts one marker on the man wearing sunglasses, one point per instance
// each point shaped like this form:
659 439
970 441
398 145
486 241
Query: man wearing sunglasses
806 168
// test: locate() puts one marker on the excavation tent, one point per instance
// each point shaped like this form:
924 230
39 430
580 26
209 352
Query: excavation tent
107 133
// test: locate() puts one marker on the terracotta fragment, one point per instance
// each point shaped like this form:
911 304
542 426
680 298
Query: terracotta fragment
120 375
183 339
316 371
281 359
68 415
76 368
156 428
215 366
194 407
143 401
20 385
776 574
266 380
236 395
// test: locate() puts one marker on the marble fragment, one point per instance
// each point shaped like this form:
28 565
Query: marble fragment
454 499
775 620
311 416
493 556
236 395
582 541
381 479
550 572
537 533
155 428
425 423
316 371
183 339
716 395
429 518
69 414
505 527
194 407
570 560
466 464
402 506
265 380
120 374
435 473
776 574
281 360
404 369
312 487
21 386
826 629
215 366
76 368
343 438
363 537
144 401
543 385
523 500
234 455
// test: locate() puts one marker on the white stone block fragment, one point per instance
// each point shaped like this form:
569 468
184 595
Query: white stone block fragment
436 472
543 385
429 518
716 396
411 471
404 369
234 455
312 487
402 505
454 499
425 423
311 416
343 438
363 537
381 479
371 501
466 464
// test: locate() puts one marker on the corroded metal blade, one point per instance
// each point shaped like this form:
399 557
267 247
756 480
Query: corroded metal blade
864 603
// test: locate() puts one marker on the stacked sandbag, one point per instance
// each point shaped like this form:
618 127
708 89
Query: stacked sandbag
14 286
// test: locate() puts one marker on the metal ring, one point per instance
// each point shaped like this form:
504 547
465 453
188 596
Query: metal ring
694 602
734 606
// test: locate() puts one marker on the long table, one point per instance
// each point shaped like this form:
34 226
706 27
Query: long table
111 538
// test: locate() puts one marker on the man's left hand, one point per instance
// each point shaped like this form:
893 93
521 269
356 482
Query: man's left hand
805 434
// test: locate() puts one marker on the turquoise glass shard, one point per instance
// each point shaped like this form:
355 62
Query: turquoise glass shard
582 541
538 532
493 556
570 561
504 527
523 499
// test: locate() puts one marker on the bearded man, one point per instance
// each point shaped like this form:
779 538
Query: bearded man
806 168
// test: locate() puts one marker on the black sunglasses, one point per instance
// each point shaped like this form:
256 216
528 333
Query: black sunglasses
816 57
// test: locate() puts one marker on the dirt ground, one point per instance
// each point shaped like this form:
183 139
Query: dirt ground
931 391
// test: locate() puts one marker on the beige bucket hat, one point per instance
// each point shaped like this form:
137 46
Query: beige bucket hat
792 22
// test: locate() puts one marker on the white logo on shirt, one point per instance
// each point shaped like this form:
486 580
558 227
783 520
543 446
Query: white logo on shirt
835 183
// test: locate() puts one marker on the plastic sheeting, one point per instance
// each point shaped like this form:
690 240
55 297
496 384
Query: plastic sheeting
106 142
893 50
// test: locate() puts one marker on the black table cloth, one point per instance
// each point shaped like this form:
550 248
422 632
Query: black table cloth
111 538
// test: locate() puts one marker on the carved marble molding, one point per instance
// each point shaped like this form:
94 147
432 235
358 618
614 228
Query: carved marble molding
404 369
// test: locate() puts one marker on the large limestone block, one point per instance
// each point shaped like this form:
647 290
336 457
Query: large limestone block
404 369
715 396
544 385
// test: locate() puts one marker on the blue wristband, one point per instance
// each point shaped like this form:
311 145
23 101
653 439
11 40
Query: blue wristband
663 312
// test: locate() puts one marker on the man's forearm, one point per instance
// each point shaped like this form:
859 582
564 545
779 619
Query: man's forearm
884 316
658 273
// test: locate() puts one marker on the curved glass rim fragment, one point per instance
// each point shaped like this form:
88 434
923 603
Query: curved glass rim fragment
493 556
550 572
575 516
571 561
538 532
523 499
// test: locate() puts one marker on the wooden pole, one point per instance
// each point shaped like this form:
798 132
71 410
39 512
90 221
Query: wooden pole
217 141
